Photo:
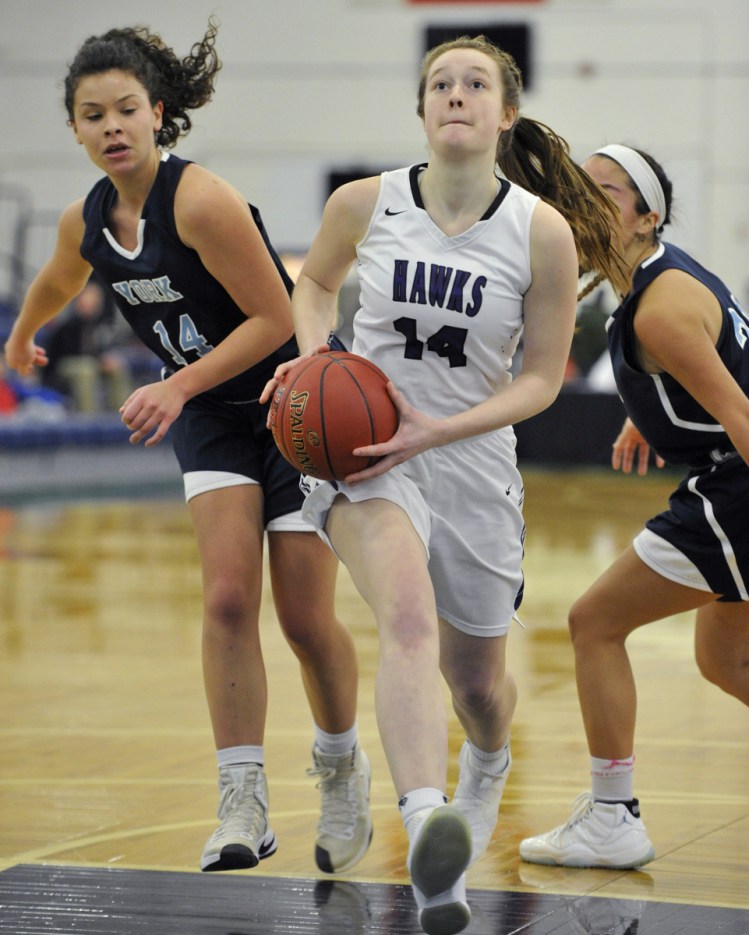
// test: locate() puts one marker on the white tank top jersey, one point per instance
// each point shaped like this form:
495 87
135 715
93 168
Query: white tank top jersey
442 316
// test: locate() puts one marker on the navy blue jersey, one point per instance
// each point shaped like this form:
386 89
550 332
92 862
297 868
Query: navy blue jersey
172 303
669 418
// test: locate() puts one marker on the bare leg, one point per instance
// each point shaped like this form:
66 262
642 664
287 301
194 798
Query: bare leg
722 647
303 574
605 828
626 596
387 563
229 529
484 694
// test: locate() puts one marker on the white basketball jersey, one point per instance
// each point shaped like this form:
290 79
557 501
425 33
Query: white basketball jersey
442 316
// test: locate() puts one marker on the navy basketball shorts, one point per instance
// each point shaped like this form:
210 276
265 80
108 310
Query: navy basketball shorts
701 540
226 444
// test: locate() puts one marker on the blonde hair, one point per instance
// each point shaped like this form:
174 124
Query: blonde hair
533 156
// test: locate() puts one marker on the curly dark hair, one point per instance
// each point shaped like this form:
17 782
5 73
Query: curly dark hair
181 85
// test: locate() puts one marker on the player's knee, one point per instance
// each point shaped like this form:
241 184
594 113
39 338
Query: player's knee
589 623
478 689
308 632
579 622
408 638
227 605
475 696
728 671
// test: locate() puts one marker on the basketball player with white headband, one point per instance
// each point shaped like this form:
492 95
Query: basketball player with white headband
678 346
642 175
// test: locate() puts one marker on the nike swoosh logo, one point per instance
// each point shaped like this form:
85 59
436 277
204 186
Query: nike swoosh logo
393 213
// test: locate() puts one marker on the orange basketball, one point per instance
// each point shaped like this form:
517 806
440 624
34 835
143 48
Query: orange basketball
325 407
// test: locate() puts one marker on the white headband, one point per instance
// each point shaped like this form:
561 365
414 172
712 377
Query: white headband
641 174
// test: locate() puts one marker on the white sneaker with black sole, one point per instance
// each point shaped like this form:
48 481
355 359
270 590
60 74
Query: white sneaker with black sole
244 836
344 830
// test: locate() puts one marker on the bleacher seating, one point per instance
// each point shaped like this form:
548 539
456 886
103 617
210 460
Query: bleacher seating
72 430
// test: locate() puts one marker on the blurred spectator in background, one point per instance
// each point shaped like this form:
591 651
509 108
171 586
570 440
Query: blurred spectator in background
22 399
86 362
8 398
590 365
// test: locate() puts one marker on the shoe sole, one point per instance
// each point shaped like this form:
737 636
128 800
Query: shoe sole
238 857
442 852
445 920
591 862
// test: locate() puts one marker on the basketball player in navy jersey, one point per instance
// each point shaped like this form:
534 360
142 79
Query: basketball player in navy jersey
678 345
454 263
191 268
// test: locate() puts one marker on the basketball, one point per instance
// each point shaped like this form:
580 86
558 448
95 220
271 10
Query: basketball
327 406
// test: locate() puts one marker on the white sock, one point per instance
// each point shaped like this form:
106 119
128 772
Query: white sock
335 744
612 780
493 763
416 802
240 756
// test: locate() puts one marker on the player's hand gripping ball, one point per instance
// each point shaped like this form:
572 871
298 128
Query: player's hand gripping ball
327 406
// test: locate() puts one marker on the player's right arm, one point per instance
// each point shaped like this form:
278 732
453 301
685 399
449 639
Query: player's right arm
314 303
345 221
60 279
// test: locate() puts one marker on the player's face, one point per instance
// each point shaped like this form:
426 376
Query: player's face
114 119
614 180
463 102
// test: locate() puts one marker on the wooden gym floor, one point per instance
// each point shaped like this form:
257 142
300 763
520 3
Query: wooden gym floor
107 770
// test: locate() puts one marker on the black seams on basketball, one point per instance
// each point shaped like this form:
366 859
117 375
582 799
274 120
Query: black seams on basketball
327 406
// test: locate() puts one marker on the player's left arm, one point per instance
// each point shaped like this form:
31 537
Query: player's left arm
549 308
549 312
214 219
677 325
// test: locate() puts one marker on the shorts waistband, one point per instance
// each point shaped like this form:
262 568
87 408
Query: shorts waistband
716 456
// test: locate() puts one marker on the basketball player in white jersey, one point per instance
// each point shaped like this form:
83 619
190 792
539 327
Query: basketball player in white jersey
455 262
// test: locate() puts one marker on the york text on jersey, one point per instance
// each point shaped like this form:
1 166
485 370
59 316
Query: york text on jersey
136 291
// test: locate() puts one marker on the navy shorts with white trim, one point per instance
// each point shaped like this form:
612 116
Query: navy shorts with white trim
232 437
707 522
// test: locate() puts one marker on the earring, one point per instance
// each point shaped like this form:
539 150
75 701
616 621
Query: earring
641 238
